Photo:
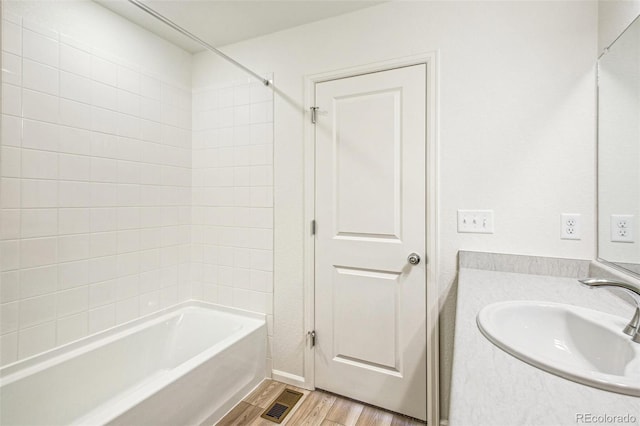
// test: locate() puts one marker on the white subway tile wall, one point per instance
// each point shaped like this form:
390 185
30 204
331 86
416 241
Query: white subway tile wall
96 194
232 237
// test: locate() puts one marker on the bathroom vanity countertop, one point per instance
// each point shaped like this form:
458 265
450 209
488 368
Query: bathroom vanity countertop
490 387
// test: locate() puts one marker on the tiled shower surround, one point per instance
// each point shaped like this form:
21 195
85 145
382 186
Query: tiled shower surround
232 251
95 194
115 200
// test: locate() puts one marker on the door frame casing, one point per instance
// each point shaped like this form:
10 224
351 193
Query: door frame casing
430 59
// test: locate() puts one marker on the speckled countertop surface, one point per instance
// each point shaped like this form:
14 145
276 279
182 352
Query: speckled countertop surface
490 387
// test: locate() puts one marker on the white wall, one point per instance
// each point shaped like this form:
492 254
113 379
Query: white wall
613 17
95 174
516 129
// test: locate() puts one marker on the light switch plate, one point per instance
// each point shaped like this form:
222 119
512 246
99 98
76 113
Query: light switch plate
475 221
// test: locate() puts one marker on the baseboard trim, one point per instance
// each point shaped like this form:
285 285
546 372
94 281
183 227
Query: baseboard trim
290 379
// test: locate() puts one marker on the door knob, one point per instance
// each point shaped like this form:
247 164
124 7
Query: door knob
413 258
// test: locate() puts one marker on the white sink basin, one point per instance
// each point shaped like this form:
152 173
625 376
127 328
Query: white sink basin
578 344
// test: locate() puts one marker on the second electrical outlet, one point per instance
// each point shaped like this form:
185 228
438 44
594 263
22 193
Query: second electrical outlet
622 229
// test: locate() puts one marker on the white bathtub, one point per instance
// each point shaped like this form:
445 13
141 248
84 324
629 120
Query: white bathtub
186 365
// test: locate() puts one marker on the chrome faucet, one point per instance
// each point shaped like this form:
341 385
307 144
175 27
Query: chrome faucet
633 328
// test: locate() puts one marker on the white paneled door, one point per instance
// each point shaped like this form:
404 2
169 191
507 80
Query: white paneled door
370 311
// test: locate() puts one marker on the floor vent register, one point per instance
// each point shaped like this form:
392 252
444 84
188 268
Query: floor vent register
281 407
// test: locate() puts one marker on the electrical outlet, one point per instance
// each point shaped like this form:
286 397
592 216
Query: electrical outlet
570 226
622 228
475 221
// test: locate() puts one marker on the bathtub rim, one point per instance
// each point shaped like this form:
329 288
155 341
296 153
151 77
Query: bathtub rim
26 366
107 414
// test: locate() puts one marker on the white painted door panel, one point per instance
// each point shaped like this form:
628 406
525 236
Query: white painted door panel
370 212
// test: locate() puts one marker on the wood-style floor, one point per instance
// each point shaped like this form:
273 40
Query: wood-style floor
315 408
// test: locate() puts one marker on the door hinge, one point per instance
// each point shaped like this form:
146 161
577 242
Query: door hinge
313 227
314 114
312 337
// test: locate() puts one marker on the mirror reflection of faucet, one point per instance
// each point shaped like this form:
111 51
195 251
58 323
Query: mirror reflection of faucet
633 328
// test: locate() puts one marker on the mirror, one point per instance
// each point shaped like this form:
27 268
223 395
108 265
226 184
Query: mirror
619 152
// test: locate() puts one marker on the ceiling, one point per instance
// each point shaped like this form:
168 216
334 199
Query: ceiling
222 22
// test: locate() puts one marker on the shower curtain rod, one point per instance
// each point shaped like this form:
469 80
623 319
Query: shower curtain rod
195 38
